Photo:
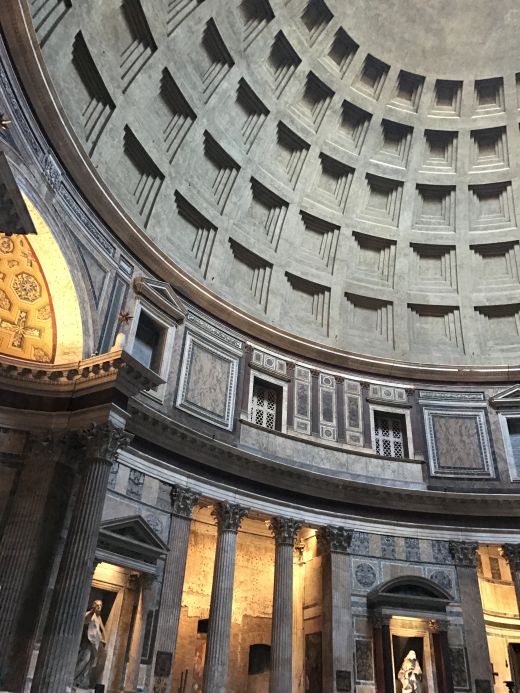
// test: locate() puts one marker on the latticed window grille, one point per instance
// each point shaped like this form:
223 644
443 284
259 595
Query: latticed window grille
389 435
264 406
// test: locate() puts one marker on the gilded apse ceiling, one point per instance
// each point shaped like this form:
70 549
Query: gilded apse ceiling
345 172
27 326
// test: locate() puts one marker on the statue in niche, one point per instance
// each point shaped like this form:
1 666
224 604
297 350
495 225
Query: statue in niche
410 674
92 637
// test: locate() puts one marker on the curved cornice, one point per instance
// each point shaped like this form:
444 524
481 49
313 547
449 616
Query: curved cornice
24 50
277 477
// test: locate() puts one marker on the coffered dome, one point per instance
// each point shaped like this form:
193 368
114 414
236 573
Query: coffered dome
343 172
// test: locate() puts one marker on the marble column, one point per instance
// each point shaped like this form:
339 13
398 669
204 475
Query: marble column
183 501
56 662
133 666
284 530
511 552
465 559
338 641
28 547
228 517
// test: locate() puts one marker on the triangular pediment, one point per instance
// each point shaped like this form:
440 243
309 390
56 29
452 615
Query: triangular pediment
161 295
131 536
14 215
509 397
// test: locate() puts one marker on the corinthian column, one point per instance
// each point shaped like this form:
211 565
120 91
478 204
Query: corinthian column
284 530
62 634
183 501
28 547
511 552
337 611
228 517
464 555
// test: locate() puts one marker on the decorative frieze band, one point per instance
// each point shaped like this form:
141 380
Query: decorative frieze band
334 539
183 501
228 516
464 553
284 530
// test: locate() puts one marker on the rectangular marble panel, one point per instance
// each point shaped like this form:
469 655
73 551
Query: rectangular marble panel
364 661
302 399
412 549
353 412
327 406
208 381
458 442
459 667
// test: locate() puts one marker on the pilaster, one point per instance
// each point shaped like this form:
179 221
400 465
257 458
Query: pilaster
464 556
28 546
338 641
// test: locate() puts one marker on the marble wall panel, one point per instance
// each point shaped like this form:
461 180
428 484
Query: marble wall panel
208 381
458 443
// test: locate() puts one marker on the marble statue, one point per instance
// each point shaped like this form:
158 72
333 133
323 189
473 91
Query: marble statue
92 637
410 674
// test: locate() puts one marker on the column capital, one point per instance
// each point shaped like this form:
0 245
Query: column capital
436 626
228 516
511 552
284 529
334 539
464 553
102 441
183 501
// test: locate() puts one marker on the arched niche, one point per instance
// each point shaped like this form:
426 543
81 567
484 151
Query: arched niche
409 612
410 592
40 317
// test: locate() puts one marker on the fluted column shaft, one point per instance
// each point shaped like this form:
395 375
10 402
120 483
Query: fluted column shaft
284 531
183 502
62 634
228 517
27 548
337 610
465 558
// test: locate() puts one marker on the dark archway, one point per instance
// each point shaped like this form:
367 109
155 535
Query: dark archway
417 597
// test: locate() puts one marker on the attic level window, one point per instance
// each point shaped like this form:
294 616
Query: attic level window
148 342
390 434
266 405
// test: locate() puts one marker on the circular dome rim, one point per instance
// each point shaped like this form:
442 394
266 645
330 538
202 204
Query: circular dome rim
25 51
